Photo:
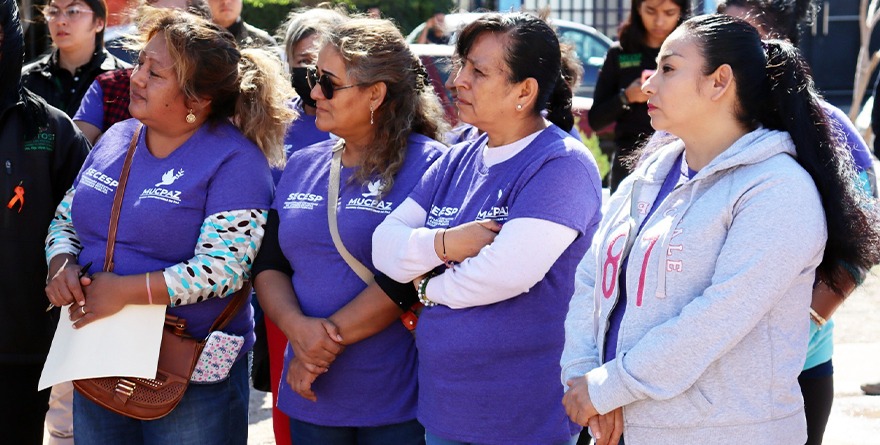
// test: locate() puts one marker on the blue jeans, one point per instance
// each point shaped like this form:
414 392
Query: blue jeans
406 433
213 414
435 440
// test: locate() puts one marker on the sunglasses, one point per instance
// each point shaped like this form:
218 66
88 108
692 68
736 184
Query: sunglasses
327 87
73 13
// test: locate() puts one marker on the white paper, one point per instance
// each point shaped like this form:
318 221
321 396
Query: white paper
125 344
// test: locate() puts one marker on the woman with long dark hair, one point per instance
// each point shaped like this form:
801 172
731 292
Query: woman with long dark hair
692 308
781 20
618 97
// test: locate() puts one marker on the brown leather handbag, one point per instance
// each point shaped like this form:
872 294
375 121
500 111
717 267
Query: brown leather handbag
149 399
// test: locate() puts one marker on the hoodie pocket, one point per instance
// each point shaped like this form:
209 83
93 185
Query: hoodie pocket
688 409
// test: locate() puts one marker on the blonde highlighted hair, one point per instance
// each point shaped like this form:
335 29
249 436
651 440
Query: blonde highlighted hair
375 51
249 86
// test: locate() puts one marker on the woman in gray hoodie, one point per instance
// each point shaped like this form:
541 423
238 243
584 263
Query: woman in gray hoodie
692 307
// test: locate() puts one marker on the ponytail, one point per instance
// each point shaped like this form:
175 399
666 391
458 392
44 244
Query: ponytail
793 106
777 92
262 112
559 105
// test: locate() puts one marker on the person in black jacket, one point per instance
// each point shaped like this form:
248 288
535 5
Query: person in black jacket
618 98
63 75
40 155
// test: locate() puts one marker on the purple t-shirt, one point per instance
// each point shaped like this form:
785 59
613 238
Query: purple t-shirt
490 374
217 169
854 143
91 109
373 382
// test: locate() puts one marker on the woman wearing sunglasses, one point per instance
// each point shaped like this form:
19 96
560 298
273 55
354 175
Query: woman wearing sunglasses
371 91
63 76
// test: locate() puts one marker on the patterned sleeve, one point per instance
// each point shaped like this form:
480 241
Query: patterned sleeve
228 243
62 236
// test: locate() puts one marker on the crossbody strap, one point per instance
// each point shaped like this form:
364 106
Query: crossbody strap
238 300
117 199
332 199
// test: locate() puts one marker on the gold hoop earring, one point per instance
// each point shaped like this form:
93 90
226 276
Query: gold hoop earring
190 117
371 115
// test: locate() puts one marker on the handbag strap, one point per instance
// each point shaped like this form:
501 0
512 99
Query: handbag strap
240 296
117 199
238 300
333 198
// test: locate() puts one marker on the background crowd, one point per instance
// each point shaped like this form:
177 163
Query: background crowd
693 306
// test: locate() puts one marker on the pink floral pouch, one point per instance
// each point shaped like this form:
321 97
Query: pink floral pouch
217 358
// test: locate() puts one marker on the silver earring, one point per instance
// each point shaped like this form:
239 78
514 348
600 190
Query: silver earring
371 115
518 107
190 117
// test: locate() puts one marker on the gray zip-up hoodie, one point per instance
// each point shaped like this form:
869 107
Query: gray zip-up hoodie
718 292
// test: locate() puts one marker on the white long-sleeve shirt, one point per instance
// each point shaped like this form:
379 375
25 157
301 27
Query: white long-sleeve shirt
516 260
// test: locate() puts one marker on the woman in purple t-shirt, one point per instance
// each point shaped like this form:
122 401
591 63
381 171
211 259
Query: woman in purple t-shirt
191 221
491 334
373 93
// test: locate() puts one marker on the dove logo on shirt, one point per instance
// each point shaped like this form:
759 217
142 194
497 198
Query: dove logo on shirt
164 194
169 177
374 189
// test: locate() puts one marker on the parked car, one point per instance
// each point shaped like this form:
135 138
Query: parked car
590 45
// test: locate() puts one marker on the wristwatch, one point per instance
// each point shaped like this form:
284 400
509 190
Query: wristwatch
623 100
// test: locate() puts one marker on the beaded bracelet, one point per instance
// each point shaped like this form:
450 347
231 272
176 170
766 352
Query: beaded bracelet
423 286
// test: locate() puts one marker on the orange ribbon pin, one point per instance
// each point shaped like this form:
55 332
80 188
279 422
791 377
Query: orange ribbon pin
18 198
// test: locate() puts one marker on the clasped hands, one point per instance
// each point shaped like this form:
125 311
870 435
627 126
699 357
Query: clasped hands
316 343
606 429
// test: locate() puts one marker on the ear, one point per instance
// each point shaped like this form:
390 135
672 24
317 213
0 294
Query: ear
721 81
377 92
99 25
527 93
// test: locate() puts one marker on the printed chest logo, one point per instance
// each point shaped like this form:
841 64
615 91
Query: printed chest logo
162 193
44 141
441 216
368 200
629 60
98 181
301 200
496 212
